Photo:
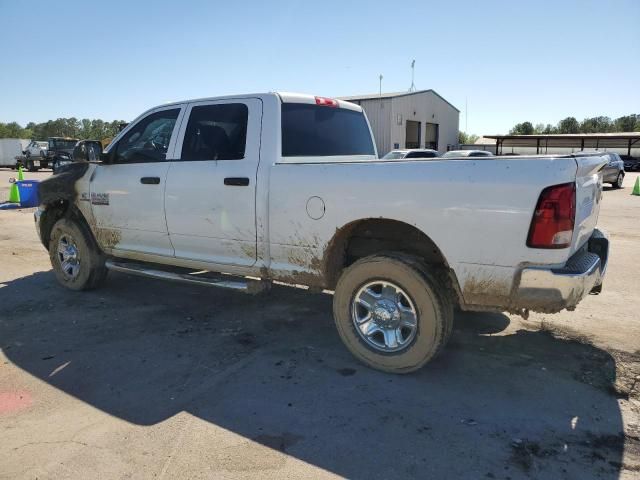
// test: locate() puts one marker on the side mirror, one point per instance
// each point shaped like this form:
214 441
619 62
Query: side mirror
105 158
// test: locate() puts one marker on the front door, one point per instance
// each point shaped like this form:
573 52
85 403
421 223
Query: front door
127 194
211 187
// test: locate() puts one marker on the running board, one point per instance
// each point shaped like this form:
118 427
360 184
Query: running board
245 285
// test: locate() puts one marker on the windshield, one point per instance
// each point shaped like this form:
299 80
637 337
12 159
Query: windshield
393 155
62 144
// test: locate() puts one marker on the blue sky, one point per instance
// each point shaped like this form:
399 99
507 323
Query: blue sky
514 61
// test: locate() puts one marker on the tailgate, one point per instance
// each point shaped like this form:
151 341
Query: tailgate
588 196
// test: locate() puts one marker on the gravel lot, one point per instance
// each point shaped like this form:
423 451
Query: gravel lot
145 379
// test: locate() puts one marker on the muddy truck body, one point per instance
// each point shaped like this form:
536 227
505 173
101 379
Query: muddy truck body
289 188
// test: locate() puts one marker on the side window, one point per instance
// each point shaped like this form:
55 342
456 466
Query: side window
216 132
148 140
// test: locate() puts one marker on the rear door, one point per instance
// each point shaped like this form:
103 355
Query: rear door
211 186
127 195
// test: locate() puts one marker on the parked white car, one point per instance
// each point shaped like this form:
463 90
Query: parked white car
411 153
467 153
288 187
36 149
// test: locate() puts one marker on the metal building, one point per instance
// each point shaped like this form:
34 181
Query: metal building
421 119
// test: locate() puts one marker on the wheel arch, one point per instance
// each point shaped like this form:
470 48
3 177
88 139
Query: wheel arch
370 236
62 209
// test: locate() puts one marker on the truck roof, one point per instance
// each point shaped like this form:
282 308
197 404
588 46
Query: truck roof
285 97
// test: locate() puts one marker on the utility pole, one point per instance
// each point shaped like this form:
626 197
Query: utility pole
412 88
380 78
466 116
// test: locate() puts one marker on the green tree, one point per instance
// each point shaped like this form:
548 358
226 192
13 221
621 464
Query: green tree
524 128
84 129
465 138
569 125
628 123
596 125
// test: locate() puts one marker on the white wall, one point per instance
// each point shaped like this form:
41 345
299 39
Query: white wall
379 114
425 107
428 108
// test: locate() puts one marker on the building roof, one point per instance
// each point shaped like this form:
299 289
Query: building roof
571 140
376 96
610 136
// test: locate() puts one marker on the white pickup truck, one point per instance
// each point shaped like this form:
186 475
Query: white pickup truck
241 191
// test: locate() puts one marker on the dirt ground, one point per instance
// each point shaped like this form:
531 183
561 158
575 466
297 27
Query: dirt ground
145 379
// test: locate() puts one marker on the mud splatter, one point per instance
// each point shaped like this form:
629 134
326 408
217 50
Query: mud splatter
107 238
62 185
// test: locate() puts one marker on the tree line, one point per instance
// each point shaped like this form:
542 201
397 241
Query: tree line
626 123
84 129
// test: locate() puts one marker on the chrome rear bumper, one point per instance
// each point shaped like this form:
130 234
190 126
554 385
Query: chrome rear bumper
551 290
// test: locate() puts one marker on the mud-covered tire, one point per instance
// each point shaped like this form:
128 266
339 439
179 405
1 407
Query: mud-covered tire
429 293
91 271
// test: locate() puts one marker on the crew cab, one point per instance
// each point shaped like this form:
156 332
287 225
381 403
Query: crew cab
241 191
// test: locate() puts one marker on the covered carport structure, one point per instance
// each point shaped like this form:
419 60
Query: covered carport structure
581 141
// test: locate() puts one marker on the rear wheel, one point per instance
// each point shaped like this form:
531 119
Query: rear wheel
619 180
392 313
76 260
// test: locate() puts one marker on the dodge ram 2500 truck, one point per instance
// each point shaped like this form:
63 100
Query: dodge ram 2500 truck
241 191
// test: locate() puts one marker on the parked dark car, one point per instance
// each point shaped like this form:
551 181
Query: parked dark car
631 164
60 151
82 151
613 172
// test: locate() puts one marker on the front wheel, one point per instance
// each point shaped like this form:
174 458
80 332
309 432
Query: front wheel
76 260
392 313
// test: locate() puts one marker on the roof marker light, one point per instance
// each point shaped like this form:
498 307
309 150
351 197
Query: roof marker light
326 102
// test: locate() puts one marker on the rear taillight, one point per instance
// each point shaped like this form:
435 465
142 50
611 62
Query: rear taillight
326 102
553 219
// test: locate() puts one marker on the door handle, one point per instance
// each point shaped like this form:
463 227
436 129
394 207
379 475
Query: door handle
237 181
150 180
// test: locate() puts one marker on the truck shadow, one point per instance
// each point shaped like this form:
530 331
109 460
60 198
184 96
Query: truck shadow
273 370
